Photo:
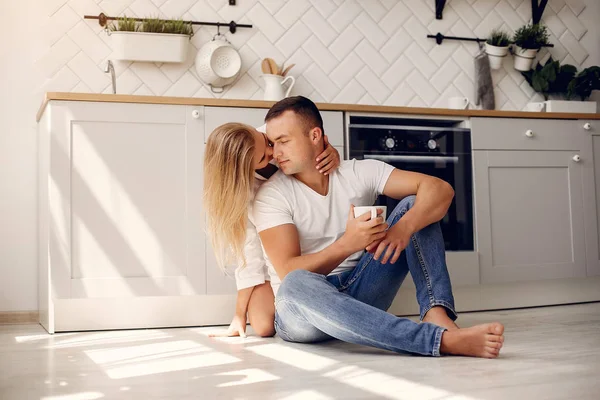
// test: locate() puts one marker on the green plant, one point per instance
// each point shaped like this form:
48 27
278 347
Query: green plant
552 78
178 27
584 82
124 24
154 25
498 38
531 36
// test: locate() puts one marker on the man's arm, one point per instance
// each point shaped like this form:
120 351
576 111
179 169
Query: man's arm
282 245
433 197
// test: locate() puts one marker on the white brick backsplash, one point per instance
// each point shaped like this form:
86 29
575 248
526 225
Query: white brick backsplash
321 82
293 38
346 42
445 75
375 9
319 27
349 51
265 21
396 46
57 56
128 83
577 6
371 57
81 88
59 23
370 30
374 86
351 93
325 7
572 22
320 54
401 96
398 71
344 15
575 49
395 18
346 70
89 72
149 73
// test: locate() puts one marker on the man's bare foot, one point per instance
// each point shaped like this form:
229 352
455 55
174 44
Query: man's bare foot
477 341
437 315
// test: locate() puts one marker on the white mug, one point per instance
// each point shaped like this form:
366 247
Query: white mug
358 211
535 106
458 103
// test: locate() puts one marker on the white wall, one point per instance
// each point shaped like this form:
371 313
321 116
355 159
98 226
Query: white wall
348 51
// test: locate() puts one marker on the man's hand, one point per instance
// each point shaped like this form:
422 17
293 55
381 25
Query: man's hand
395 240
360 232
236 328
329 159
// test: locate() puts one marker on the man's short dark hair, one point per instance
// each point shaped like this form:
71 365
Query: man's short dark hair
304 108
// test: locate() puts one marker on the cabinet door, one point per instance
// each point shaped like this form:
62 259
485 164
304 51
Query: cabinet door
591 200
529 213
126 200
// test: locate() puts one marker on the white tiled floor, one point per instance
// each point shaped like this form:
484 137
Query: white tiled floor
550 353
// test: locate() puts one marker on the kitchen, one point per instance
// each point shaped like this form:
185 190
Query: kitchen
102 154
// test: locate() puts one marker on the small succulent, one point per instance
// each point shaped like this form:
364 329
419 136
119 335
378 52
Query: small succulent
498 38
531 36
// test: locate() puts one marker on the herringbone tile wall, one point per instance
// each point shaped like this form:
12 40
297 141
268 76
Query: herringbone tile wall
345 51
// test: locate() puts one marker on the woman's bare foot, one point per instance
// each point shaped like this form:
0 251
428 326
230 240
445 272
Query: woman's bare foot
477 341
437 315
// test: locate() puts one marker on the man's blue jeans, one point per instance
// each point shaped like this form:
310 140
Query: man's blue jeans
352 306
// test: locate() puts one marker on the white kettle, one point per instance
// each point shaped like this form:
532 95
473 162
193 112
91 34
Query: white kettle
274 90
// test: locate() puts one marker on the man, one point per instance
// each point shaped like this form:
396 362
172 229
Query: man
330 287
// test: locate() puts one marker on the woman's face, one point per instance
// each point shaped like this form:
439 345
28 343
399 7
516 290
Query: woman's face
263 150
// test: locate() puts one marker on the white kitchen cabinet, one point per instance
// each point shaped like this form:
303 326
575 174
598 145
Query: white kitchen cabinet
591 186
529 199
121 227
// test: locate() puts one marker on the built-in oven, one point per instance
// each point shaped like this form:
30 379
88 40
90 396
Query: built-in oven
437 147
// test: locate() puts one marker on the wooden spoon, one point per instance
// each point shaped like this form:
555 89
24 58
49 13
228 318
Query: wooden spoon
265 66
273 65
285 71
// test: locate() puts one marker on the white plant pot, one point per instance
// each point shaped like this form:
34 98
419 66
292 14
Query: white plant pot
496 54
152 47
524 58
571 106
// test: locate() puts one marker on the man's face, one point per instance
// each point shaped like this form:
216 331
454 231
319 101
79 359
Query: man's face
293 148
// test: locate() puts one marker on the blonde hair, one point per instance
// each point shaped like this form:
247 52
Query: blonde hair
228 189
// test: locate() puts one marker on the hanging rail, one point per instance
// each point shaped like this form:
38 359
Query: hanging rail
103 20
439 38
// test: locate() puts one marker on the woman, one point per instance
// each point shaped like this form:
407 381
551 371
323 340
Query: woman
237 161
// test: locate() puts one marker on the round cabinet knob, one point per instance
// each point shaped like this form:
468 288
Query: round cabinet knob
587 126
529 133
196 114
576 158
390 143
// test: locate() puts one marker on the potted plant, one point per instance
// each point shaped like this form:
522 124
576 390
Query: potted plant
559 84
152 39
496 46
528 39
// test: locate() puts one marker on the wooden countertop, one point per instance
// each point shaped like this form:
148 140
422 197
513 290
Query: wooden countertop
119 98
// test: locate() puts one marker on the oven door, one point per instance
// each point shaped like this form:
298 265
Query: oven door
457 224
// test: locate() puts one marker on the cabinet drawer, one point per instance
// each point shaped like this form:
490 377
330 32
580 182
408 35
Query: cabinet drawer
526 134
333 121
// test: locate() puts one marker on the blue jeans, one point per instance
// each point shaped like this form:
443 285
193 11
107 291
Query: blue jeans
351 306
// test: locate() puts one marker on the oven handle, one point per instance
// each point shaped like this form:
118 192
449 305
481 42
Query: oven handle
419 159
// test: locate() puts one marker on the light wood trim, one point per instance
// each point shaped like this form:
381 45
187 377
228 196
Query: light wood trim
120 98
18 317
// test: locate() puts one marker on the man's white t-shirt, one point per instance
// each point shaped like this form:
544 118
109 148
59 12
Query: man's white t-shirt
320 220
